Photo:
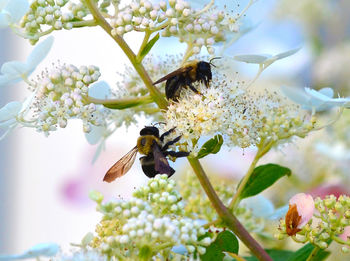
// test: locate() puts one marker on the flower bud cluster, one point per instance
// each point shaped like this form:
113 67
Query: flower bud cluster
330 222
177 18
147 224
60 96
161 193
243 118
48 15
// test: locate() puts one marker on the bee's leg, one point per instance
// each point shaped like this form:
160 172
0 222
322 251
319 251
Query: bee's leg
169 143
166 133
176 154
189 84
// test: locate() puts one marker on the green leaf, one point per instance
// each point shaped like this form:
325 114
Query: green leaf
262 178
212 146
148 47
275 254
303 253
225 241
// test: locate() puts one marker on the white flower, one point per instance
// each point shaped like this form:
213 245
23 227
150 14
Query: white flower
39 250
13 71
311 99
11 11
13 113
264 59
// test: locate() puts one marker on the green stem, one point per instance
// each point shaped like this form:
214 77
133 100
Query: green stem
155 93
262 150
313 254
227 217
84 23
121 103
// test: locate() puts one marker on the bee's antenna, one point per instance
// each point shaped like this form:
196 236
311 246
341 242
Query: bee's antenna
158 123
214 58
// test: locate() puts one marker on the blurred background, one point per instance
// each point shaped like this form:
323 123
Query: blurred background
44 182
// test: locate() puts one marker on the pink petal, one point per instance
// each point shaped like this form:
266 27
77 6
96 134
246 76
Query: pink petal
305 206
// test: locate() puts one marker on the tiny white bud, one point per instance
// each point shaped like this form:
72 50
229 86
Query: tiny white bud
163 5
186 12
142 10
154 234
132 233
145 21
127 17
214 30
140 233
49 18
153 14
148 5
174 21
134 6
137 20
185 237
201 250
170 12
198 28
129 28
120 30
210 50
196 50
199 41
189 27
124 239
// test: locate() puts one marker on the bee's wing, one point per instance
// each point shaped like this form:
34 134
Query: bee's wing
161 163
174 73
122 166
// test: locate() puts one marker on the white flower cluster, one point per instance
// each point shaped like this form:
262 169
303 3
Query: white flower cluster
60 96
45 16
175 18
243 118
162 194
138 224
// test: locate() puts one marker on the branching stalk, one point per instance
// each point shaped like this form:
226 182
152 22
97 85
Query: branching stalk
155 93
226 216
262 150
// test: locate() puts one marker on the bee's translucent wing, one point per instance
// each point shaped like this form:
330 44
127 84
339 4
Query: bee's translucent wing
174 73
122 166
161 163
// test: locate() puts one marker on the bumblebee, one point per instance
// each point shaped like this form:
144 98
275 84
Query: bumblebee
191 72
154 162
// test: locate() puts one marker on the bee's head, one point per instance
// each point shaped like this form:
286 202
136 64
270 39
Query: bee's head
150 130
203 66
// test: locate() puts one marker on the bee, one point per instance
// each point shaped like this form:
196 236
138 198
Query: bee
190 72
154 162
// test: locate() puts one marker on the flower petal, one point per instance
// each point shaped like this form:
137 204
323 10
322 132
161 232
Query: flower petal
95 135
99 90
14 68
39 53
17 9
287 53
252 58
305 206
10 111
4 19
259 205
298 95
327 91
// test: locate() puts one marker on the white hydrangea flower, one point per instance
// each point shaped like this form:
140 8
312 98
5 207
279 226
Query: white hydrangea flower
313 100
37 251
264 59
243 118
14 71
11 11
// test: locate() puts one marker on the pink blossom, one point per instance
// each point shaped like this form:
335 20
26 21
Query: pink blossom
301 209
346 234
